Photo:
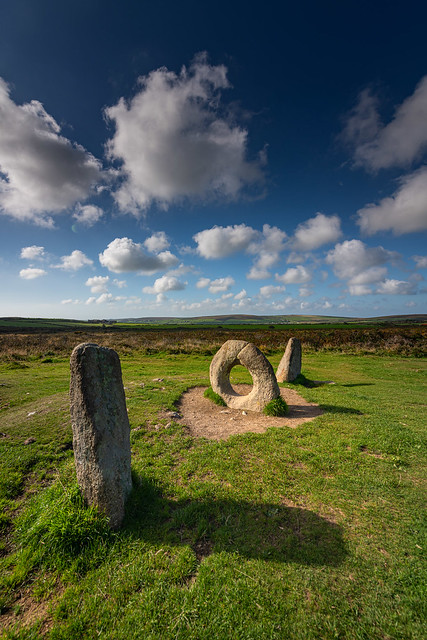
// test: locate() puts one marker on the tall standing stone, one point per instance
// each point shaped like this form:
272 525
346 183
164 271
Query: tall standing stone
290 365
101 430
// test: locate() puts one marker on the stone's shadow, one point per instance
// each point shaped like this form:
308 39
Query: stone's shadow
275 532
358 384
331 408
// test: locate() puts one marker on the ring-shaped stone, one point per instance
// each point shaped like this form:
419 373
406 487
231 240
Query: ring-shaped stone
265 387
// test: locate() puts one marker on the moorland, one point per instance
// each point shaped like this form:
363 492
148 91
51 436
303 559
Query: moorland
313 532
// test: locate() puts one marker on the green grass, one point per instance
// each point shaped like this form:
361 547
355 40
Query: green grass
215 397
308 533
276 407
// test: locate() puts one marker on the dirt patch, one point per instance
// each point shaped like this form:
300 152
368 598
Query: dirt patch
27 610
205 419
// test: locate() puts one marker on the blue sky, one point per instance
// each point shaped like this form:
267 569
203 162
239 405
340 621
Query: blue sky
183 159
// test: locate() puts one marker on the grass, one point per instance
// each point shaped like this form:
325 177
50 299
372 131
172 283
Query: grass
308 533
276 407
215 397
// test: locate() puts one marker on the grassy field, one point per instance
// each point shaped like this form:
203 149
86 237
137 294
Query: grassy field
312 533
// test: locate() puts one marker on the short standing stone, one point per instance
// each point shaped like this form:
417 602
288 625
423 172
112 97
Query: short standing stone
290 365
101 430
265 387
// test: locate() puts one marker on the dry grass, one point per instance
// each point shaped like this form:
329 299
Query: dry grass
402 341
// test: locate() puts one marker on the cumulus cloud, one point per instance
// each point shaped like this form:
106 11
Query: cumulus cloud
396 287
174 142
124 255
221 284
164 284
157 242
220 242
216 286
105 298
242 295
359 264
270 290
88 215
32 253
267 248
295 275
75 261
41 171
397 144
353 257
305 292
202 283
31 273
316 232
119 283
98 284
403 212
420 261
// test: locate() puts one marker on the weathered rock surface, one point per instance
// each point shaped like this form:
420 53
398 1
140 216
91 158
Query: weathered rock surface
290 365
101 430
265 387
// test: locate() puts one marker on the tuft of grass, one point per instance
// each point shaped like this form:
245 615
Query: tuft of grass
59 526
215 397
276 407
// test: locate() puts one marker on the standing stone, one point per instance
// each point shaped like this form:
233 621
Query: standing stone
290 365
101 430
265 387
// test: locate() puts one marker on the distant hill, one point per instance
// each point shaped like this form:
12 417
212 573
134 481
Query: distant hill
15 324
282 319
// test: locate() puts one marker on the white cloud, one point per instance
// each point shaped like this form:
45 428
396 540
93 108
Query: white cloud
294 275
202 283
164 284
270 290
98 284
220 242
121 284
421 261
396 287
221 284
76 260
88 215
124 255
316 232
359 289
41 172
352 257
105 298
268 249
31 273
174 143
32 253
305 292
360 265
404 212
71 301
396 144
242 295
157 242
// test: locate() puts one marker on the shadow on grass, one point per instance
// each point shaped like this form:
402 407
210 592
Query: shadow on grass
275 532
332 408
358 384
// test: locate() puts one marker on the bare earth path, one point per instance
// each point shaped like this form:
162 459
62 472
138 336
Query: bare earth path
205 419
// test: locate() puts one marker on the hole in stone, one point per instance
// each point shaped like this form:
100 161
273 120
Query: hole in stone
240 375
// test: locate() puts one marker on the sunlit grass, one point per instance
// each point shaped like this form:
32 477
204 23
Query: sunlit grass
314 532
